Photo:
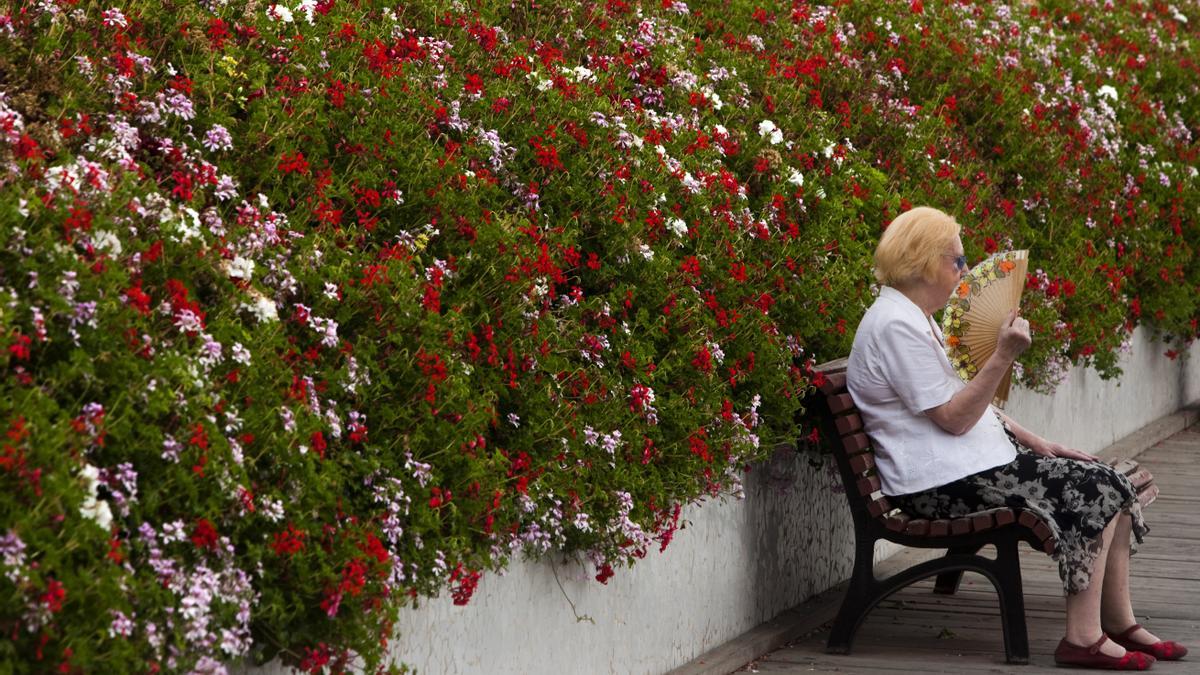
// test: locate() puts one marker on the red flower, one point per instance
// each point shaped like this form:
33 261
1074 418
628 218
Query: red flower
375 548
605 573
137 298
698 446
289 542
293 163
691 266
703 360
27 148
318 443
115 553
54 596
431 300
315 659
439 498
547 154
354 577
358 432
467 580
218 32
204 535
20 347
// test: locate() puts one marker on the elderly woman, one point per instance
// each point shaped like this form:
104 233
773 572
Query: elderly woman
943 451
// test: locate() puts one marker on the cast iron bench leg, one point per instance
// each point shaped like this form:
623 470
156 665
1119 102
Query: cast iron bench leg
947 582
1012 600
859 599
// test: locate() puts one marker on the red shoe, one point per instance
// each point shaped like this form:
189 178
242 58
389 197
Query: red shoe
1069 654
1163 650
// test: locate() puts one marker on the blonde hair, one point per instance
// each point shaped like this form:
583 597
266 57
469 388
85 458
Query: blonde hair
912 246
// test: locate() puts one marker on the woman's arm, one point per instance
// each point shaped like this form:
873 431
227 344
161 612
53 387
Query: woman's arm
1042 446
964 409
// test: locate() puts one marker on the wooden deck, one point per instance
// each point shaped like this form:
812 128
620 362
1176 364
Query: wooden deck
916 631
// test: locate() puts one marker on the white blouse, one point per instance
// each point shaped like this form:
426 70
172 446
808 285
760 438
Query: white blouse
897 370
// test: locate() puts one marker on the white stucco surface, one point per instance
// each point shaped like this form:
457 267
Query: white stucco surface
737 563
1089 413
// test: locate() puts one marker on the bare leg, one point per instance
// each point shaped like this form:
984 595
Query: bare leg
1083 608
1116 608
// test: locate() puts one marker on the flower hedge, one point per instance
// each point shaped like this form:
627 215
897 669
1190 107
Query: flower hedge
310 310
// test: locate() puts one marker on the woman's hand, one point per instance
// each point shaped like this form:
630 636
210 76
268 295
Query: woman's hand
1051 449
1013 337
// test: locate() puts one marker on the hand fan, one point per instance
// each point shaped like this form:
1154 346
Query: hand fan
981 303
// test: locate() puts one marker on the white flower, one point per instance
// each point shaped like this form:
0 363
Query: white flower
239 268
768 128
679 227
796 178
309 7
92 508
98 511
1107 91
263 308
646 251
279 13
241 354
189 230
106 241
114 17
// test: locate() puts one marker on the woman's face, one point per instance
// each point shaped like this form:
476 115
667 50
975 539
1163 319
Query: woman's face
952 269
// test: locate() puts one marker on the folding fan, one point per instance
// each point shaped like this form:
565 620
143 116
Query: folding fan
979 306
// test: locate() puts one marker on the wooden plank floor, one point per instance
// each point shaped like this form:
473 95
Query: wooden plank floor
916 631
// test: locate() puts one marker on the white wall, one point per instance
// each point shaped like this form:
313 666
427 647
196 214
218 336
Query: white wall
1089 413
737 564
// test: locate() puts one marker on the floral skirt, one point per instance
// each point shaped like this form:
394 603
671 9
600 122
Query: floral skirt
1075 499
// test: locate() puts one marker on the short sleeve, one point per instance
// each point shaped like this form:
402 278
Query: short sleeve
912 364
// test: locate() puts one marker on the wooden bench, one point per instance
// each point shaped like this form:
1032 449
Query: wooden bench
875 519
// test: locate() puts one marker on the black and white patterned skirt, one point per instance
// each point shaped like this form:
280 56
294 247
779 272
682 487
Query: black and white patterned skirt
1075 499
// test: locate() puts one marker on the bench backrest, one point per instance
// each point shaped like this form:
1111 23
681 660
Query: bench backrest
852 448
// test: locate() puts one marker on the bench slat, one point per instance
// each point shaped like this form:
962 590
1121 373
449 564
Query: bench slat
1148 495
1141 478
840 403
982 521
868 486
834 383
1005 517
897 522
960 526
939 527
861 463
917 527
856 443
1125 466
848 424
1028 518
878 507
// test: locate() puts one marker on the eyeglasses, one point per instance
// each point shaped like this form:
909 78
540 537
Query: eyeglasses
960 261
